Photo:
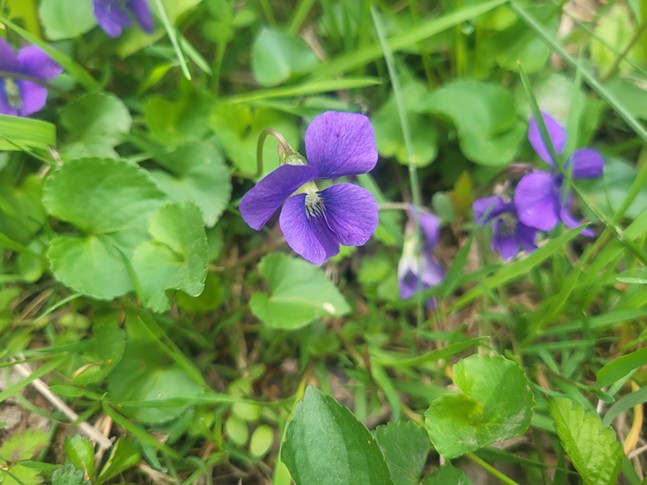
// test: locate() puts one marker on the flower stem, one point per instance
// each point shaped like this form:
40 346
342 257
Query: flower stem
284 149
490 469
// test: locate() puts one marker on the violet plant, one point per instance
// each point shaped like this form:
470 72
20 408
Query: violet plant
315 222
24 94
113 16
418 269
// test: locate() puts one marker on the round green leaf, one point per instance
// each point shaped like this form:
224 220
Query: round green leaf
300 293
176 258
111 202
144 374
495 404
489 130
324 443
405 446
96 122
64 19
276 56
261 441
196 173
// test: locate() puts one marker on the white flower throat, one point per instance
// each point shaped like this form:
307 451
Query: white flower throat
13 93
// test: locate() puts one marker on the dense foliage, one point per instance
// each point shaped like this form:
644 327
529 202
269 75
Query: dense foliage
323 242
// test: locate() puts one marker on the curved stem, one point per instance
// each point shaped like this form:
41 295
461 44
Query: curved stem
284 149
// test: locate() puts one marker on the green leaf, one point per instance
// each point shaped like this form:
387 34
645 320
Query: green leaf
20 475
196 173
489 130
21 209
68 475
277 56
111 202
632 97
80 452
448 474
125 454
23 446
261 441
238 127
97 122
106 348
18 133
593 449
388 132
495 403
324 443
300 293
145 377
405 446
64 19
174 122
620 367
176 258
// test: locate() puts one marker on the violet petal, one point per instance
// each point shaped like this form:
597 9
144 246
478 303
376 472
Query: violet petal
432 272
407 281
350 212
33 97
339 144
142 12
535 200
262 200
526 237
8 60
111 16
503 241
587 164
429 225
571 222
36 63
310 237
488 208
556 133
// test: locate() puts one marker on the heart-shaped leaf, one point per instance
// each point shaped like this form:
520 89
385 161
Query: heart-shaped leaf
176 258
594 450
495 403
489 130
64 19
277 55
96 122
110 201
300 293
196 173
405 446
324 443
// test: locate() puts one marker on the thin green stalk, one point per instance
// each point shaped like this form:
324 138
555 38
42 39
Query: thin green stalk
490 469
406 133
300 15
170 31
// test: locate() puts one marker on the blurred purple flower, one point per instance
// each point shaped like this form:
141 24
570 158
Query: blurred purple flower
538 197
115 15
510 234
316 222
413 265
22 97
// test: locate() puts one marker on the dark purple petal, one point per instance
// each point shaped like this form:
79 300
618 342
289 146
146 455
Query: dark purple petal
339 144
308 236
33 97
571 222
556 133
429 225
5 106
350 212
142 12
407 281
504 241
8 60
112 16
258 205
587 164
432 272
536 201
488 208
33 61
432 275
526 237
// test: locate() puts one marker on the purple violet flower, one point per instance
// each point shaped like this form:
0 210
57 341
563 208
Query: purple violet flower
315 222
22 97
115 15
413 265
538 196
510 234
